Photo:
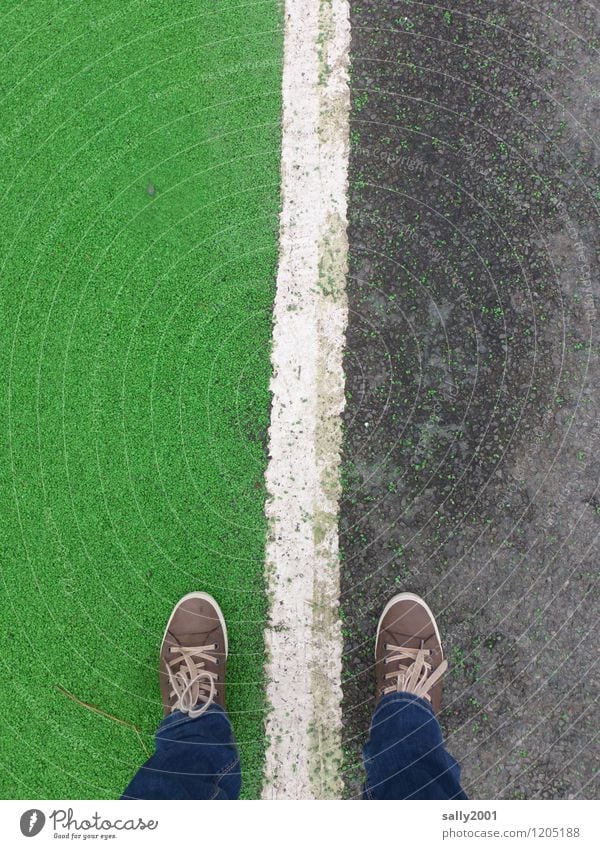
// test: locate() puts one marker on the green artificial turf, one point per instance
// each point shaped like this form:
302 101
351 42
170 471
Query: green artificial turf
140 190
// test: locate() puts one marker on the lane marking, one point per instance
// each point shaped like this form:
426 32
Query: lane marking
303 636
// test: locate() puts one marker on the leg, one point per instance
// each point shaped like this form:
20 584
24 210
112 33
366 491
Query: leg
405 756
194 759
196 756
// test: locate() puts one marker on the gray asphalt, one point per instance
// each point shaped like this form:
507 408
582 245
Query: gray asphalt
472 431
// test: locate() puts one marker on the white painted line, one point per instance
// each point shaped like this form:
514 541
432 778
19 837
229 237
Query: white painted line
303 636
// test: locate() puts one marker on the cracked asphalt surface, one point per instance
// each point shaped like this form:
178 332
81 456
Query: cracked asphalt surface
472 428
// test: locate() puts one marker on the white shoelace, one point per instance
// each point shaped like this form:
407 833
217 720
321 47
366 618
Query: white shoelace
192 682
415 678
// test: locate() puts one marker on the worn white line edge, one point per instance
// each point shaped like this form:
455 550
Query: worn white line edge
303 635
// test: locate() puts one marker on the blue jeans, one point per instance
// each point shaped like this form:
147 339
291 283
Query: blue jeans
194 759
404 757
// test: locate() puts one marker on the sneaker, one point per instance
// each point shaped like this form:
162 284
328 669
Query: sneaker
408 650
193 656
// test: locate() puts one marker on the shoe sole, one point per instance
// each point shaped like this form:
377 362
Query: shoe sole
211 600
408 597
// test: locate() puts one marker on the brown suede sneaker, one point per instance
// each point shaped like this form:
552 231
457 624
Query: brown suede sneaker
193 656
408 650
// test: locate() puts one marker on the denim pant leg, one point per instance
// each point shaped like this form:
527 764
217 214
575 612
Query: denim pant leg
405 756
194 759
